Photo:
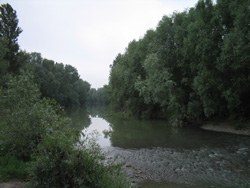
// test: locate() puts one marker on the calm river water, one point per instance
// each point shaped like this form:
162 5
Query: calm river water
157 155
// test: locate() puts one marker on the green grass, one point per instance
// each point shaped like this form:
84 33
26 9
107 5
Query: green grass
12 168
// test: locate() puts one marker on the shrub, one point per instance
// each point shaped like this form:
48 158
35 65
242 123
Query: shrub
25 119
12 168
60 163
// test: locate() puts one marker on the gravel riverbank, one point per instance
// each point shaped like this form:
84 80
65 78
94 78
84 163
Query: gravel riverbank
226 127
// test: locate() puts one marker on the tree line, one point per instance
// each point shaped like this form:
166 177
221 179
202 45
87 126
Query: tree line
100 96
195 65
60 82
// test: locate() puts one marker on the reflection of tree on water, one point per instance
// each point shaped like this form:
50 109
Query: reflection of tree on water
107 133
132 133
98 110
80 118
138 133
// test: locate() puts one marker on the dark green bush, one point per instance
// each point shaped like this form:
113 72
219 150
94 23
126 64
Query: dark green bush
59 163
25 119
12 168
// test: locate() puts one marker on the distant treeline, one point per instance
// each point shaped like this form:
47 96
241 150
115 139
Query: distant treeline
100 96
55 80
60 82
194 65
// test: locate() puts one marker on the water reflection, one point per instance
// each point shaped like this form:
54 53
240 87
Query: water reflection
101 126
129 134
80 118
98 110
143 134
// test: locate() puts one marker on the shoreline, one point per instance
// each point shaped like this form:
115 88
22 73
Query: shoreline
225 127
13 184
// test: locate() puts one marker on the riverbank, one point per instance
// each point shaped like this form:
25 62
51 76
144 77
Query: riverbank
227 127
13 184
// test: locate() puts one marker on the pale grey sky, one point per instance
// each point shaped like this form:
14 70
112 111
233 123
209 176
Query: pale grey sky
88 34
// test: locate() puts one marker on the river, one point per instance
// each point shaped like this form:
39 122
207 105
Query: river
157 155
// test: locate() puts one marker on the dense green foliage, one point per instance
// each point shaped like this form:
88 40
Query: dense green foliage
100 96
12 168
61 164
25 119
9 31
11 58
195 65
59 82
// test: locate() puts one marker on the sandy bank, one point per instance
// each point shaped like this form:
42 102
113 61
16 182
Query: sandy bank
226 127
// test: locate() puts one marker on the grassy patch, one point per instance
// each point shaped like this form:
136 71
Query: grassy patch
12 168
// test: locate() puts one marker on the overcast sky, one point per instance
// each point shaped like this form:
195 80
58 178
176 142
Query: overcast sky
88 34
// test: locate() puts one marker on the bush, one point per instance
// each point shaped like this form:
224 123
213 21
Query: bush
12 168
59 163
25 119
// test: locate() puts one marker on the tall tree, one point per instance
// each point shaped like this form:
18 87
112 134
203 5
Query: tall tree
9 31
3 62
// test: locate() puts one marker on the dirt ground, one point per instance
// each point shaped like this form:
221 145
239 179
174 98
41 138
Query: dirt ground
13 184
